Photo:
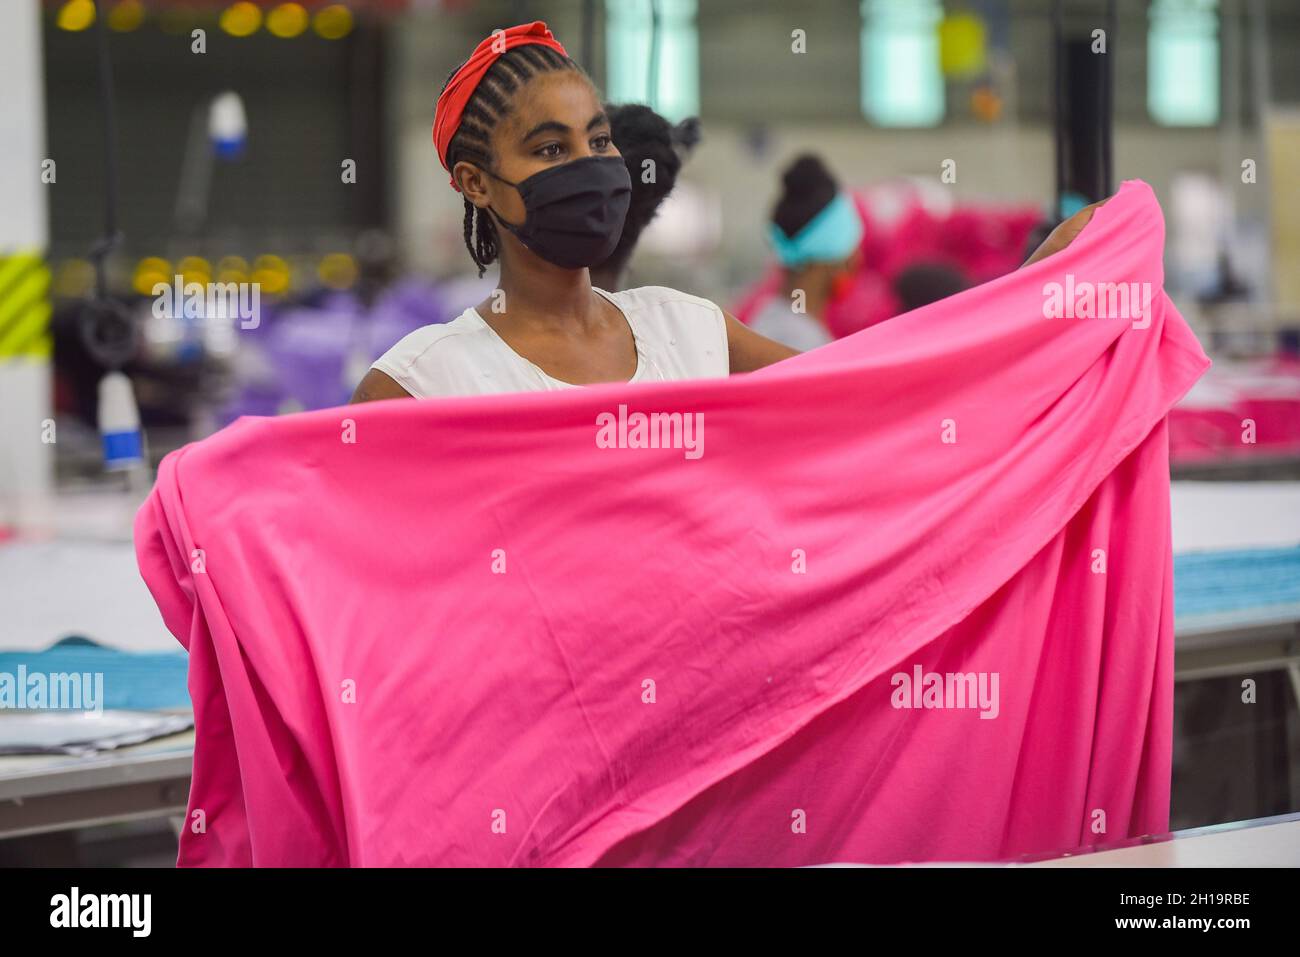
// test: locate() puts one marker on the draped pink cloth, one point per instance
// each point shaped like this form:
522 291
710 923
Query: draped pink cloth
460 632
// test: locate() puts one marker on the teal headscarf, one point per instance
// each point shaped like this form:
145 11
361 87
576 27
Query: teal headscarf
831 235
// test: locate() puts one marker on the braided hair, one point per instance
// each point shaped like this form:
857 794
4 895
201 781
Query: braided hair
491 101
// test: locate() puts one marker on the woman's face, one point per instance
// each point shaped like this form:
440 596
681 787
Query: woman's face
557 118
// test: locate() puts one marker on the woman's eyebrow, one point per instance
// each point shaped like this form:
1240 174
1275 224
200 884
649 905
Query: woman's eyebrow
548 126
555 126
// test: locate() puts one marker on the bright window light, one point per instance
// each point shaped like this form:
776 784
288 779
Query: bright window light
1183 62
676 75
902 83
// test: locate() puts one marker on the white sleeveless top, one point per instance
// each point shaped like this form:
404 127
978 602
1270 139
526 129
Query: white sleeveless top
677 335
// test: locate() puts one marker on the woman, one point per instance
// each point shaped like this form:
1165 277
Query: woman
527 143
815 230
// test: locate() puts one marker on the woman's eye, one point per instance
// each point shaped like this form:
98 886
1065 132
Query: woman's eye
601 142
549 151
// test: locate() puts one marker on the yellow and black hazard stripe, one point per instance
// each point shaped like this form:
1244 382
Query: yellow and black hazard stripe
24 307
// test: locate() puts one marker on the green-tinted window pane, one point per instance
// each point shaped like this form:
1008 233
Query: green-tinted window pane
628 41
1183 62
902 84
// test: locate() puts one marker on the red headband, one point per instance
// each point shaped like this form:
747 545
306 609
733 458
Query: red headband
452 100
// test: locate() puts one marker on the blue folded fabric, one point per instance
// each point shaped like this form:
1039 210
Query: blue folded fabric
132 681
1208 583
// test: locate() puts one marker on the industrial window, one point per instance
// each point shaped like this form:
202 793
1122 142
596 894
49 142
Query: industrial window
902 84
654 55
1183 62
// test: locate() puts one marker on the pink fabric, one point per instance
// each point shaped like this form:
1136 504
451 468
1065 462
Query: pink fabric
521 699
1214 421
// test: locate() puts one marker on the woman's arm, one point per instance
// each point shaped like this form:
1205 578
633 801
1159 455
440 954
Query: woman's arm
748 350
375 385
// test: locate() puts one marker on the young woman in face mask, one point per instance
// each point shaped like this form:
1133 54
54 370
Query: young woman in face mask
527 143
816 231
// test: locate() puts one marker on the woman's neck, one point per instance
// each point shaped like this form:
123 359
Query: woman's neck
549 297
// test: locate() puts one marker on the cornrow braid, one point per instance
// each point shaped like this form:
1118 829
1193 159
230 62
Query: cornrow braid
492 100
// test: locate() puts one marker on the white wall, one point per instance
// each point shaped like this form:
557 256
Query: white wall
26 463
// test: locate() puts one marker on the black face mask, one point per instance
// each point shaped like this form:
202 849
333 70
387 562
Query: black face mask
574 213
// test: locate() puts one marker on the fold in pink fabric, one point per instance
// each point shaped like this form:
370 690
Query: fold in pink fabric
911 601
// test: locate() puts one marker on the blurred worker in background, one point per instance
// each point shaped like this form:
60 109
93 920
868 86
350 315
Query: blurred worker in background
925 282
653 151
816 231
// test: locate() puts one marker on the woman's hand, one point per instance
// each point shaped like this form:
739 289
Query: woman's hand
1064 234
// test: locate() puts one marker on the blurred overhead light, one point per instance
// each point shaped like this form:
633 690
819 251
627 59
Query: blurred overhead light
241 19
232 269
338 270
271 273
76 15
287 20
194 269
333 22
149 272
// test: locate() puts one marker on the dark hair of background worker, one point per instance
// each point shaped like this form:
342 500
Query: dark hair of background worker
641 134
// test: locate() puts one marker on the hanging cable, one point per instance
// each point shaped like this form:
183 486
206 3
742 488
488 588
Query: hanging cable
1108 106
1058 85
105 245
652 78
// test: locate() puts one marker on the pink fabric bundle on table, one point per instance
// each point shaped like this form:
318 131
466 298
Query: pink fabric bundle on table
904 598
1239 412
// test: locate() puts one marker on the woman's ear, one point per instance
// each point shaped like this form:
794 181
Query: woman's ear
472 182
